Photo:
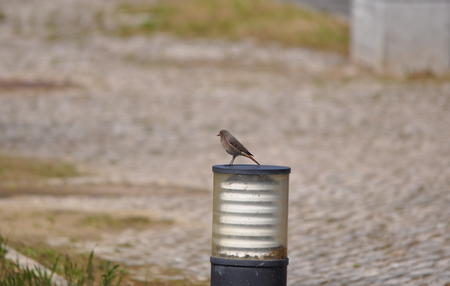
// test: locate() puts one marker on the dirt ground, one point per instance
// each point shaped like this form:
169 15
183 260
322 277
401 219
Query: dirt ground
370 155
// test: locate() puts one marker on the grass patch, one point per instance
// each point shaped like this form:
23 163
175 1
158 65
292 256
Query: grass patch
428 76
77 269
12 275
424 77
106 221
2 16
2 247
262 20
31 225
15 84
18 170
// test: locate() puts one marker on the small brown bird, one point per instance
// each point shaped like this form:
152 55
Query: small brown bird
234 147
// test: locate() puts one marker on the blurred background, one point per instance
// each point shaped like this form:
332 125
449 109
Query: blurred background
109 112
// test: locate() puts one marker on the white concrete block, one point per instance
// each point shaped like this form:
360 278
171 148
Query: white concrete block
402 36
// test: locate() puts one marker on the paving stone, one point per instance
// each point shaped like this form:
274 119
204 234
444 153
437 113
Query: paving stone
369 187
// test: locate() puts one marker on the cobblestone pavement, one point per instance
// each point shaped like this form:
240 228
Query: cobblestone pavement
370 187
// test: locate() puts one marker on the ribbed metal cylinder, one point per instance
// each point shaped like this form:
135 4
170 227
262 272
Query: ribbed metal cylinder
250 212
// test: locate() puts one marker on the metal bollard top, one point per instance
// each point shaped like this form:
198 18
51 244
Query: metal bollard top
247 169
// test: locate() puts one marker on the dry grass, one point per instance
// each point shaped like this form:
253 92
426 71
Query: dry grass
107 221
23 85
2 16
75 268
83 269
262 20
18 170
28 224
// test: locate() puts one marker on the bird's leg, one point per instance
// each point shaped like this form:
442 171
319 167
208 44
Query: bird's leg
232 160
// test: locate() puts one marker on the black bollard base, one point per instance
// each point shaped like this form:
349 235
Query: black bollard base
235 272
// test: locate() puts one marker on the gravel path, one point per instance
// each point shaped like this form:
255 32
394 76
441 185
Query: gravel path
370 187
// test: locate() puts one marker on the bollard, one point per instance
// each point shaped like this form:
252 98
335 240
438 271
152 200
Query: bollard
249 233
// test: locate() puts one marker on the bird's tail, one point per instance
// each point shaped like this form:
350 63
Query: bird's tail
252 158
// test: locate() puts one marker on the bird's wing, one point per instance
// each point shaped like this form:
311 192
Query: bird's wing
238 146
